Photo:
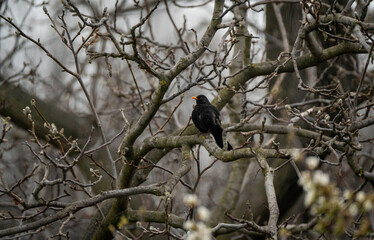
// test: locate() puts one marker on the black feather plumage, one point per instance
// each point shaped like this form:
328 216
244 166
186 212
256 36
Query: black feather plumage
206 118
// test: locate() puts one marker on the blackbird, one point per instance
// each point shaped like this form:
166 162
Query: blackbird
206 118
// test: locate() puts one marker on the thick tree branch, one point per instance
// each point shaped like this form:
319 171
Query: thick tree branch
266 68
270 194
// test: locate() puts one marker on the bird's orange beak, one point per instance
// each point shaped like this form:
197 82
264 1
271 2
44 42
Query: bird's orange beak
194 98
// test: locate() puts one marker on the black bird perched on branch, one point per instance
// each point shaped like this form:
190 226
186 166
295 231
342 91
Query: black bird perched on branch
206 118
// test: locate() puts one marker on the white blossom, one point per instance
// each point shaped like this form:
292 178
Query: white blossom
201 232
321 178
309 197
189 225
297 154
360 196
190 200
305 180
312 162
347 194
368 205
203 213
353 209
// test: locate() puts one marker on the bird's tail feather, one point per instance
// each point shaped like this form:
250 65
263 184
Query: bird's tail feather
229 147
218 137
